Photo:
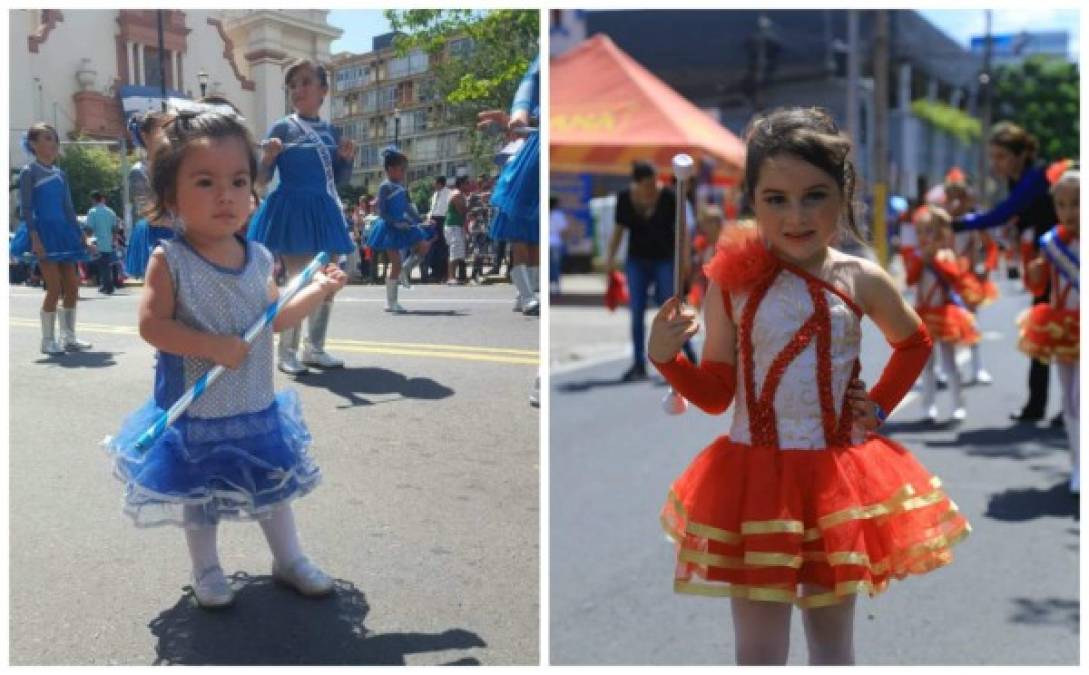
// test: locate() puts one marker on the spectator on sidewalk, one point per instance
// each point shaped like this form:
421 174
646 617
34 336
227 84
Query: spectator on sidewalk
102 224
454 229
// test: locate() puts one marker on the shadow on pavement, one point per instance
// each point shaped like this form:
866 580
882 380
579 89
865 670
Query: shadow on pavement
79 360
1020 441
351 383
1018 505
1047 612
432 312
268 625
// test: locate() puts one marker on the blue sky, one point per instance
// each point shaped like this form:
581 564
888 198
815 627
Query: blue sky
359 27
961 25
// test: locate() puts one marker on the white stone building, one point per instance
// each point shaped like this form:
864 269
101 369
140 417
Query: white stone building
71 67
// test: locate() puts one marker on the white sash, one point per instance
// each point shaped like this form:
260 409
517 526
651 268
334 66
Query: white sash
324 154
1061 257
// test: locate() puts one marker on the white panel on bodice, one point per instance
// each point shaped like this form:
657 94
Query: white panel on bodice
782 312
1072 296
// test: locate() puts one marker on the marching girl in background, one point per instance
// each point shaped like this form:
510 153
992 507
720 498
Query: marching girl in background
802 504
52 233
938 275
1051 331
240 451
146 132
517 193
397 227
978 255
303 215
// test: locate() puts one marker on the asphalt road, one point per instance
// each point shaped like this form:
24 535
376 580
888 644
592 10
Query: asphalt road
427 515
1010 596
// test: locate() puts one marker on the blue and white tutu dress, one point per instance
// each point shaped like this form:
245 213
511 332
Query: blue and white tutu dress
517 193
241 449
145 236
304 215
46 202
398 224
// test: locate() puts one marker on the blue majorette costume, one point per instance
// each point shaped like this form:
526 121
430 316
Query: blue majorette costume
397 228
517 193
45 202
1051 331
241 449
145 236
303 216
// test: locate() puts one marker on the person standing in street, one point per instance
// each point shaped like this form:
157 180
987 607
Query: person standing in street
454 230
647 211
102 224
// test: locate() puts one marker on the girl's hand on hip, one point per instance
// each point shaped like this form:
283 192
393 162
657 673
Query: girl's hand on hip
864 410
673 325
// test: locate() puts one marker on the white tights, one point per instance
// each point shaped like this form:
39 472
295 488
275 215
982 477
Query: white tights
952 374
1069 376
762 631
279 528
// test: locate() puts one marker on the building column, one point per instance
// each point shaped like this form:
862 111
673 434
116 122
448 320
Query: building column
932 89
139 64
130 59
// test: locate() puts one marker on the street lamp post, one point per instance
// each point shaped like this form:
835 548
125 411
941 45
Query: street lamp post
396 126
202 77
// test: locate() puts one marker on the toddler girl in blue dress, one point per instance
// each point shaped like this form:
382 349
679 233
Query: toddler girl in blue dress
240 451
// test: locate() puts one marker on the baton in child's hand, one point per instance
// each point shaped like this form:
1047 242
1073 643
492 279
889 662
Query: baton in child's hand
674 403
266 319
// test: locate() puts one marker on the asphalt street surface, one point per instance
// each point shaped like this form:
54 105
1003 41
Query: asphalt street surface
427 515
1009 597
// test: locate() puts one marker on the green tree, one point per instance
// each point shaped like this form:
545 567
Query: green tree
1041 94
480 74
92 168
420 193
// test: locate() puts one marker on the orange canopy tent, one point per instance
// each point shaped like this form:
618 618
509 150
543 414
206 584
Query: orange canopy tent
607 111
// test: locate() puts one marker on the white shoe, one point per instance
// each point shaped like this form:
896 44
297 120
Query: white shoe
932 413
983 377
396 308
321 359
289 363
211 588
959 413
532 308
303 576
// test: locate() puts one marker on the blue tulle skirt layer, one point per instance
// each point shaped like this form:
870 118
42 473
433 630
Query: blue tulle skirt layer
517 196
62 242
203 470
145 237
300 221
387 237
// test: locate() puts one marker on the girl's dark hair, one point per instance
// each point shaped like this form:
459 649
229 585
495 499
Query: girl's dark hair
811 135
181 130
319 70
39 128
1015 139
393 157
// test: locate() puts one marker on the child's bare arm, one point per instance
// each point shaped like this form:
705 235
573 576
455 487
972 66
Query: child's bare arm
162 331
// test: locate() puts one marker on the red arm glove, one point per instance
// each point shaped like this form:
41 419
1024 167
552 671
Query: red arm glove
908 358
913 265
710 386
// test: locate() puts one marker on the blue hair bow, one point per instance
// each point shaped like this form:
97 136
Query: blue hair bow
391 151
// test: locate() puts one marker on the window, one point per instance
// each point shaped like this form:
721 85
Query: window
460 48
417 62
152 74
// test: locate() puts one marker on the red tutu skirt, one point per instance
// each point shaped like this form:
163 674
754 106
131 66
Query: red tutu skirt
950 323
755 522
1050 333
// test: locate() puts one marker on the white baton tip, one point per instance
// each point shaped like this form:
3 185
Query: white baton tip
682 166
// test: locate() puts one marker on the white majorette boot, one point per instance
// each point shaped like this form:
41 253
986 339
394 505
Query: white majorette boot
530 306
313 351
49 340
391 298
67 320
407 266
287 361
930 387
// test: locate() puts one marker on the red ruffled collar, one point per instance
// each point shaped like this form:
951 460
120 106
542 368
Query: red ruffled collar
741 260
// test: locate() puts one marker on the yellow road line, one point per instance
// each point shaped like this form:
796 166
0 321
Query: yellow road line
458 352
